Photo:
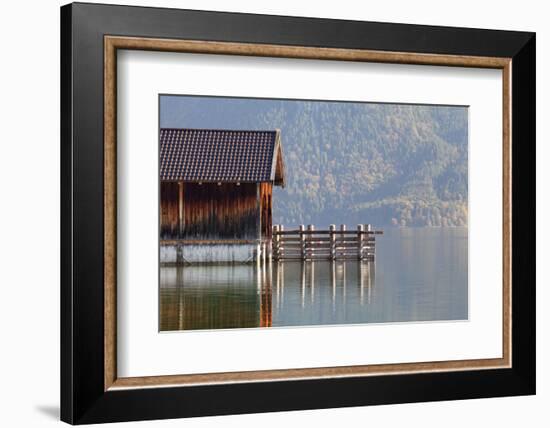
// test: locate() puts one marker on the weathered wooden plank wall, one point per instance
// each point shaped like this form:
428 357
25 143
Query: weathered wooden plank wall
169 209
266 193
210 211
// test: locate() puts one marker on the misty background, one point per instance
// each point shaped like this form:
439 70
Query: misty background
350 163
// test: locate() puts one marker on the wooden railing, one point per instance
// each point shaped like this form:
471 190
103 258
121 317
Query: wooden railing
331 244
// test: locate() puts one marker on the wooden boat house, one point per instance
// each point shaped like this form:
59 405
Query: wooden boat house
216 194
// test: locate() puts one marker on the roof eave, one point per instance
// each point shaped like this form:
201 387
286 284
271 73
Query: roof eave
278 151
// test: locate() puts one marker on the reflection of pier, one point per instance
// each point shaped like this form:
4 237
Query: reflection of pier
331 244
266 296
262 295
341 275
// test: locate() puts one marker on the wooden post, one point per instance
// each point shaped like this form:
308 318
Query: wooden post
311 228
276 241
360 241
258 211
343 237
281 245
180 208
370 243
302 242
332 237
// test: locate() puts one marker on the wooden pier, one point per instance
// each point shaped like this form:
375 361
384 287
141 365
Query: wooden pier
331 244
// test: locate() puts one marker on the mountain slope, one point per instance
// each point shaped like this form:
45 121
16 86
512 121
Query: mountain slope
385 164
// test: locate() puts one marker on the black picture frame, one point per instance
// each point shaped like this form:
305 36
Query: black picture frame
83 398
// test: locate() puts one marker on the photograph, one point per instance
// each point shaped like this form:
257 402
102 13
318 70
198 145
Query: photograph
293 212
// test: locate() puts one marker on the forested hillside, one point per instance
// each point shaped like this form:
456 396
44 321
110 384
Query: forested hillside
385 164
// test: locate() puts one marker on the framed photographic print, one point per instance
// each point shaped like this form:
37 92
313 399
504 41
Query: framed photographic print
265 213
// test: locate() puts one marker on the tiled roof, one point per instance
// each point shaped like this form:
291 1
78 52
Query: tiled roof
218 155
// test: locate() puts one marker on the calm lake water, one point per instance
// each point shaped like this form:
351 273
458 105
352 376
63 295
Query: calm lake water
418 275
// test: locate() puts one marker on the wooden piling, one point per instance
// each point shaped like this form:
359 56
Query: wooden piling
342 237
332 238
370 246
276 242
302 241
360 241
180 208
281 229
310 228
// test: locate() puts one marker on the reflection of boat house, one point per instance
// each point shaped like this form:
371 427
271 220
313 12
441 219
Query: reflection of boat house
216 193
